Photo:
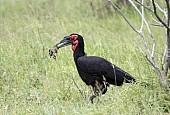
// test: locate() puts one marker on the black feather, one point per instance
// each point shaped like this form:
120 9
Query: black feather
96 71
91 66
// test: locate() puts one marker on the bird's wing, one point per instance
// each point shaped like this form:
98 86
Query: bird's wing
97 66
93 65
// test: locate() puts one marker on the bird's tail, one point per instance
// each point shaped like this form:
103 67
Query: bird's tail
127 77
130 79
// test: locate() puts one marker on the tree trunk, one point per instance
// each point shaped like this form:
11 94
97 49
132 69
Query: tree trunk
167 64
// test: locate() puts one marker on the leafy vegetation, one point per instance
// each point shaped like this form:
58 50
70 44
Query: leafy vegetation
32 83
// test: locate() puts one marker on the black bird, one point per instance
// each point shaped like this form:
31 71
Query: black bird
94 71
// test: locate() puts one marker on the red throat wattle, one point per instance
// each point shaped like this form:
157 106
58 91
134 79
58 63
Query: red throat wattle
75 44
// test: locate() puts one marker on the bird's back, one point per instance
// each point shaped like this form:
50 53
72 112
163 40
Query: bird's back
97 66
94 65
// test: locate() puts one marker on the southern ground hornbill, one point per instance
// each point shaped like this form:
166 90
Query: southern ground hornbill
94 71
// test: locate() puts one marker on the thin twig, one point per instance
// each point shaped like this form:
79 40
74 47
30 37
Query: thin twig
142 18
77 86
115 7
164 55
71 77
140 49
155 12
159 8
158 25
168 7
142 36
149 55
147 7
165 49
156 21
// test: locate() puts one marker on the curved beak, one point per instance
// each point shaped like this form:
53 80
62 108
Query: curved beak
64 42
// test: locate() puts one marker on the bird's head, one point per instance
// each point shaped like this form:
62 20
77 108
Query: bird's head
75 40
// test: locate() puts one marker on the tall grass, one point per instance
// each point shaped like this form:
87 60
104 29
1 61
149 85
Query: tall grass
32 83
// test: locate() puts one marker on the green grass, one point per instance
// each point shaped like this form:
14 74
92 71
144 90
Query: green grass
32 83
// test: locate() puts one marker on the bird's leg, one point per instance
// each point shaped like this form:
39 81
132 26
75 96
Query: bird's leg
104 86
92 97
98 89
96 93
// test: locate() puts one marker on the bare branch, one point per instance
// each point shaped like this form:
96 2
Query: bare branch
164 55
155 12
158 23
115 7
139 32
153 48
168 7
167 66
152 62
149 55
145 43
147 7
142 18
143 38
140 49
160 9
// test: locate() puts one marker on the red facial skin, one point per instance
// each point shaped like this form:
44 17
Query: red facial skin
75 42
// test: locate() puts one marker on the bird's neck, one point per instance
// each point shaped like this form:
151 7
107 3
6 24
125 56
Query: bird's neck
78 53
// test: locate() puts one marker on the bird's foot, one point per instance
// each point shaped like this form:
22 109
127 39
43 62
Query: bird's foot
91 98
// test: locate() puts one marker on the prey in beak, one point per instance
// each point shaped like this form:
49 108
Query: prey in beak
64 42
